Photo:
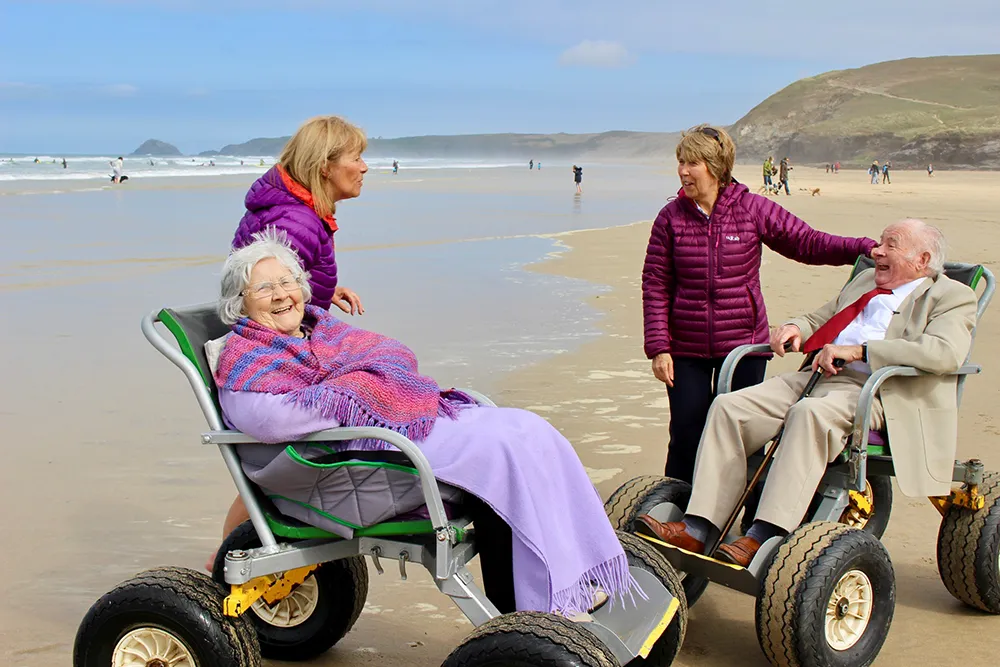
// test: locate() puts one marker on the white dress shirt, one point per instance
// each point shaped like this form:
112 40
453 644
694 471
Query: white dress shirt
873 321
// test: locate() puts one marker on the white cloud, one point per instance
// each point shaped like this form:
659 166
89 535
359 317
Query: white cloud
599 53
119 90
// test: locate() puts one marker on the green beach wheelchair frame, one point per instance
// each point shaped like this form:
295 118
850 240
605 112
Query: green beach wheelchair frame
826 592
290 591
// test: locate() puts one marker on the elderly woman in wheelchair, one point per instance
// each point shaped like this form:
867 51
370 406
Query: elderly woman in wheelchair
341 449
289 369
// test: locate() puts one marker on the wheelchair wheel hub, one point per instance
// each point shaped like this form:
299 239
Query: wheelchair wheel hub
290 611
151 647
849 610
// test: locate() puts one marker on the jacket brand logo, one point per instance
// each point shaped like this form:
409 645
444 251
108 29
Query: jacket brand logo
732 237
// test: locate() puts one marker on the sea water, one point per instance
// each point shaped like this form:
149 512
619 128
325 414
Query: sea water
437 257
98 167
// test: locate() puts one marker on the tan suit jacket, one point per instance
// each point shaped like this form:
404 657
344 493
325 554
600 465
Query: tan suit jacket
931 331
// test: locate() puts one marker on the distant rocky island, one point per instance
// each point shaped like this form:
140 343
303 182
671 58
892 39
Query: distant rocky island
943 110
156 148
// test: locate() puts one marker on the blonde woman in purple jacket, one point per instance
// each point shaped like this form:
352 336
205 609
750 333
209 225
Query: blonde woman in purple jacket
701 290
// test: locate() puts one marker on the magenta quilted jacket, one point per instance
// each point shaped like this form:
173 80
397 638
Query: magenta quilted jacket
270 204
701 294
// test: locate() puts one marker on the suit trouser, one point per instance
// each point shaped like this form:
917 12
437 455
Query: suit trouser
742 422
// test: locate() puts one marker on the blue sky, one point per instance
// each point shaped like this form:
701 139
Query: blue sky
91 76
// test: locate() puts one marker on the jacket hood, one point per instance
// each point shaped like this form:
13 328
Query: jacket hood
268 191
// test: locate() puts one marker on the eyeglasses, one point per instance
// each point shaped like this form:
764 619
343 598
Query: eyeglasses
265 290
712 132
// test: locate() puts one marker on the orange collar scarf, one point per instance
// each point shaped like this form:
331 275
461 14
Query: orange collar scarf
302 194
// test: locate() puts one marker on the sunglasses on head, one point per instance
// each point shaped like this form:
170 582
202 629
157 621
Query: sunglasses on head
712 132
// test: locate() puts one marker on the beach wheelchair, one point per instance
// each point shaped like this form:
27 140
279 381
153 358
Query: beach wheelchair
290 590
826 593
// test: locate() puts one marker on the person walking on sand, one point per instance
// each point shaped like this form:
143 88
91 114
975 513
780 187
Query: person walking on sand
578 179
885 173
531 164
701 284
117 166
930 169
395 166
783 170
874 172
768 172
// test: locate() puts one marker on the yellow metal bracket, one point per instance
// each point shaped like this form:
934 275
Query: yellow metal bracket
967 496
270 587
861 503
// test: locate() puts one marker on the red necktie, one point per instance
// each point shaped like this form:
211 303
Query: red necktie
828 332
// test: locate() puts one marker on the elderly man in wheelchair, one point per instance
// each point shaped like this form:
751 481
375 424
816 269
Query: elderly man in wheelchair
904 312
888 360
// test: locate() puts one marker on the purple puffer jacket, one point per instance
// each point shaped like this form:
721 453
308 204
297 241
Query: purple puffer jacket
701 294
270 204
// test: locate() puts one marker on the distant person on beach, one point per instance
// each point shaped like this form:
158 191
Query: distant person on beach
64 163
836 167
261 162
930 169
36 160
117 166
701 286
531 164
768 172
578 179
873 171
320 165
783 170
539 166
885 172
395 166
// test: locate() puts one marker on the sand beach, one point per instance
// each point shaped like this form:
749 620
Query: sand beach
103 474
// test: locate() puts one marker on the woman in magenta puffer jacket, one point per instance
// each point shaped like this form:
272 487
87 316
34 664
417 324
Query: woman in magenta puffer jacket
701 292
320 165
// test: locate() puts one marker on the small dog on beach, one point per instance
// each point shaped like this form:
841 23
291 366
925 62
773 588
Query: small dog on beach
813 191
773 189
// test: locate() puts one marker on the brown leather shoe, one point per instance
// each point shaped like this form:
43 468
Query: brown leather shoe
740 552
673 533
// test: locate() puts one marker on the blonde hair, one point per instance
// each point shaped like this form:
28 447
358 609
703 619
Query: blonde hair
711 145
320 141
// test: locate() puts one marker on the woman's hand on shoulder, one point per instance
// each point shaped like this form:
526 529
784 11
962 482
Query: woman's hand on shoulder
347 301
663 368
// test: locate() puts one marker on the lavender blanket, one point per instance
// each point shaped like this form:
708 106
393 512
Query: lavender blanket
517 463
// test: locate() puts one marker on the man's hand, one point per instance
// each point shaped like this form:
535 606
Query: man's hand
663 368
786 334
825 358
347 301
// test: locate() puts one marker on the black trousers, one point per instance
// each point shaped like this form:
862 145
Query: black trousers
495 546
695 384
